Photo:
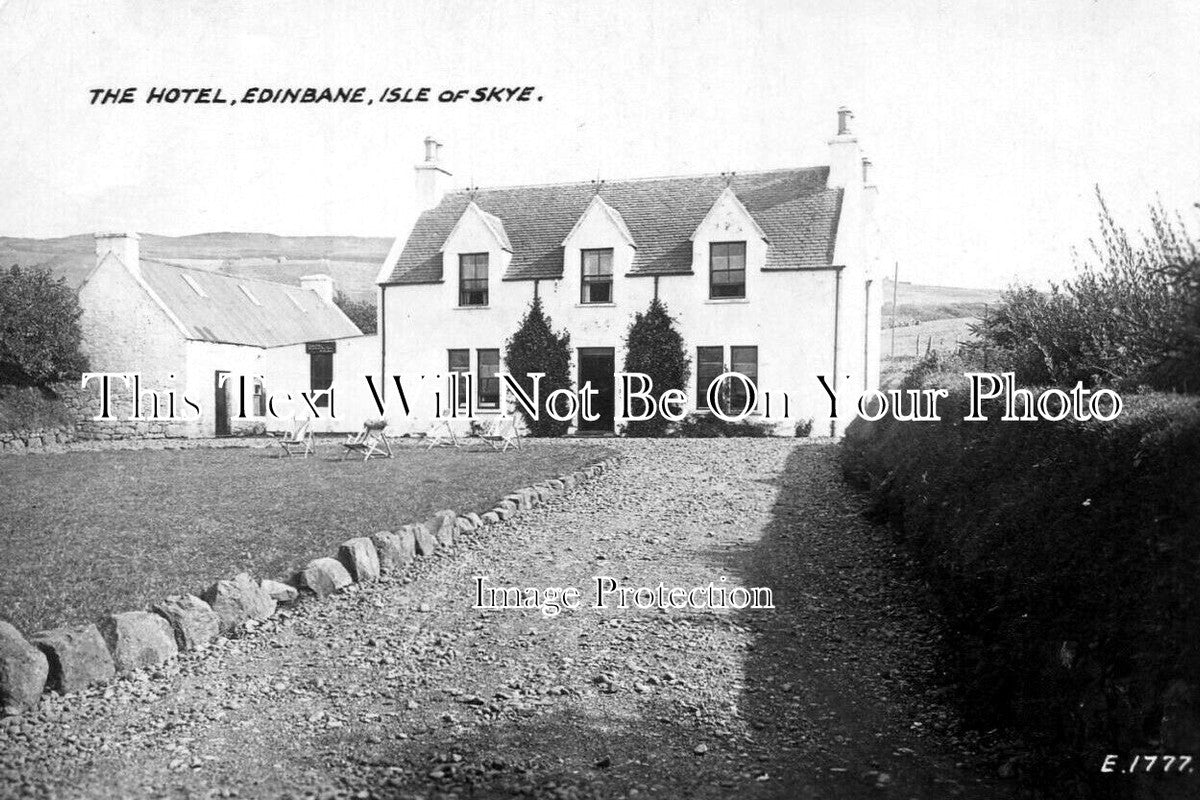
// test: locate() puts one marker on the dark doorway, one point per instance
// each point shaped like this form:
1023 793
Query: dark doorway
597 365
222 403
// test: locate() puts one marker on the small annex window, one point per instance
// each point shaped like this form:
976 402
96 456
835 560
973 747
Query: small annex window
190 281
596 278
727 270
473 279
246 291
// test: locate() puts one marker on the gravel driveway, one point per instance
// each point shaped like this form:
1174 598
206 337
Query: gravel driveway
402 689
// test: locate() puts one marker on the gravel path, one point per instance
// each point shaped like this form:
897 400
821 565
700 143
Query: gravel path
402 689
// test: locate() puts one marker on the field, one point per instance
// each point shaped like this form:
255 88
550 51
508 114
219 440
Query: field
86 533
931 318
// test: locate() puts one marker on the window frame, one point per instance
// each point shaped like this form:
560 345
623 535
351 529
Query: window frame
472 260
727 364
484 384
726 270
460 398
586 281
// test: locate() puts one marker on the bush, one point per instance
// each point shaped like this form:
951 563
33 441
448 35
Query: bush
27 408
39 328
361 312
1130 316
536 348
1066 557
804 428
710 426
655 348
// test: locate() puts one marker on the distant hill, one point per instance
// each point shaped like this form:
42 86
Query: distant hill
920 303
352 261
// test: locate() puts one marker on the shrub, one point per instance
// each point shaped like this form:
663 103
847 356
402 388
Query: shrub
361 312
654 347
804 428
1130 316
710 426
39 328
536 348
1065 554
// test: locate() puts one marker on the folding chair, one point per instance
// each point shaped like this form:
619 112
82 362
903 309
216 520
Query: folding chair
501 433
370 441
440 434
300 439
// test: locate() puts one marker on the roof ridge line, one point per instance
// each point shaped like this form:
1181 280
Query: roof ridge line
216 273
639 180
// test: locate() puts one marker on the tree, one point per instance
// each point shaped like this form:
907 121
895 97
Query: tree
39 328
360 312
654 347
536 348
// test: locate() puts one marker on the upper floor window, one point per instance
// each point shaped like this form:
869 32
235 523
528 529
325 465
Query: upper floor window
596 282
473 279
727 270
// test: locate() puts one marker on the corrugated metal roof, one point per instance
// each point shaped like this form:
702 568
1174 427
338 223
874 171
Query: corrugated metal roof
225 312
794 207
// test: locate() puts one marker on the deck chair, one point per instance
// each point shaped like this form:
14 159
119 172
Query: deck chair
299 439
441 434
500 433
370 441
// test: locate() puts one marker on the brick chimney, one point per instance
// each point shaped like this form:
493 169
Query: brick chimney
845 165
122 245
432 180
321 284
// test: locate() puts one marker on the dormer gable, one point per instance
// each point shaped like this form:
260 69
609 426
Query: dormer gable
476 230
600 224
727 219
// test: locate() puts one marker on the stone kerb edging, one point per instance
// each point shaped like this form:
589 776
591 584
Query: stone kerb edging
75 657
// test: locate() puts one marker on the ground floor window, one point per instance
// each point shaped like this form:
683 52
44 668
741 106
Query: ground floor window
258 405
711 362
460 362
489 378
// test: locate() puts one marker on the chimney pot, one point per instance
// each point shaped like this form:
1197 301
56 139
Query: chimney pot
433 149
844 117
321 284
432 180
123 245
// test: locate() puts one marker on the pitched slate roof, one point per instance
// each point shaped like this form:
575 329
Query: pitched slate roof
794 207
226 313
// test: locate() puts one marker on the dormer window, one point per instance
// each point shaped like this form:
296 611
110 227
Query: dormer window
596 279
727 270
473 279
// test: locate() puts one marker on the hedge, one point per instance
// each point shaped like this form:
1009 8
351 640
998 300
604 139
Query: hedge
1067 555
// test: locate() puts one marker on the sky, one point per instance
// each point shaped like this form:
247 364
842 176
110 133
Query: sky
989 123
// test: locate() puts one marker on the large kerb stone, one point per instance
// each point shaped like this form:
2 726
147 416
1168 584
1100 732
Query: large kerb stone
359 558
192 620
392 550
23 672
324 576
238 601
78 657
442 525
138 639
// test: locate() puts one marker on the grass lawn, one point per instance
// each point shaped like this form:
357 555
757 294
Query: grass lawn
86 533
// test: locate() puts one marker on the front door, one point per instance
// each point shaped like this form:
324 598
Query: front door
597 365
222 403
